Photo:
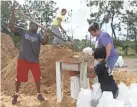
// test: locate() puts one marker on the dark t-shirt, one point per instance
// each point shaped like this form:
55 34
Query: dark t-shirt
29 45
105 77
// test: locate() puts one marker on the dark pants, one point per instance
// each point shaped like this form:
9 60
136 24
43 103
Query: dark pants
110 87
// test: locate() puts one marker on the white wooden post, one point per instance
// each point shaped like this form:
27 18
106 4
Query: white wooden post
83 75
59 82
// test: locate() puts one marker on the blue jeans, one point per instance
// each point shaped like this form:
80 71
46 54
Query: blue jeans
111 61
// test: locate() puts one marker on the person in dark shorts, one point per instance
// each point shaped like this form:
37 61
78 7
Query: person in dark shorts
103 72
28 55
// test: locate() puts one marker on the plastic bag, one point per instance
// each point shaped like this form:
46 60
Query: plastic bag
124 94
88 50
133 90
120 62
74 86
88 97
133 102
84 98
107 100
97 92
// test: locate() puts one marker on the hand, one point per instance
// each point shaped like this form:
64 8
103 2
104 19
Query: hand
64 31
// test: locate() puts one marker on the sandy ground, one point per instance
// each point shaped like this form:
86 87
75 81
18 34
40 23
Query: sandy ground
31 101
131 65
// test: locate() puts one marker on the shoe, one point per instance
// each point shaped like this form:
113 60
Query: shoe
14 100
40 98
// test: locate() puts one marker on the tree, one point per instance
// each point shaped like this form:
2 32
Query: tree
40 11
5 15
130 18
107 11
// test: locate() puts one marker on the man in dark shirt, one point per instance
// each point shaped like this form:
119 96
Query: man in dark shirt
28 55
103 72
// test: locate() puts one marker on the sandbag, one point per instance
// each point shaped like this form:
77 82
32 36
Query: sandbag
88 50
133 90
97 92
107 100
88 97
74 86
84 98
120 62
124 94
133 102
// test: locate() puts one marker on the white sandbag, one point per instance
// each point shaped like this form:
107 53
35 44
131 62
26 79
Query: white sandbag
133 90
117 63
123 94
133 102
116 103
107 100
88 50
120 62
74 86
84 98
97 92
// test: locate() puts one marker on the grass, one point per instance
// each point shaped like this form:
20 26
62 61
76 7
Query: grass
129 56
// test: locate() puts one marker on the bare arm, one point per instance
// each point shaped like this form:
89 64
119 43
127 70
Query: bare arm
12 20
91 72
108 49
45 41
60 21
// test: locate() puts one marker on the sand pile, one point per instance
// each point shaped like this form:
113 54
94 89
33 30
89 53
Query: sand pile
48 57
126 77
8 50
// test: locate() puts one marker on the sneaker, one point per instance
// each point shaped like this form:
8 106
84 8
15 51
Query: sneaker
14 100
40 98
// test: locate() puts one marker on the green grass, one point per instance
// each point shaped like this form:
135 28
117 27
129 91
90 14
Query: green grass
129 56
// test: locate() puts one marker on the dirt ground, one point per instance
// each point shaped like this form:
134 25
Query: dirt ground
131 65
31 101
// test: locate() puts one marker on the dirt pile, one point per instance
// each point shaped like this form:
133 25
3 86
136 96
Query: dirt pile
8 50
48 57
126 77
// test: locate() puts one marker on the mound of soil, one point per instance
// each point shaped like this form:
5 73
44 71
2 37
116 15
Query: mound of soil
48 57
8 50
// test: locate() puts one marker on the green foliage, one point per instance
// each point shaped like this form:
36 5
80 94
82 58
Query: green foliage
107 11
5 15
41 11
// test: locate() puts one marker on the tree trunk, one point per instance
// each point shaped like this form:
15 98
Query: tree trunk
136 41
101 24
126 51
113 30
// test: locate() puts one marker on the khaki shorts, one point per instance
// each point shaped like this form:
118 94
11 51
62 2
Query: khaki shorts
57 41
